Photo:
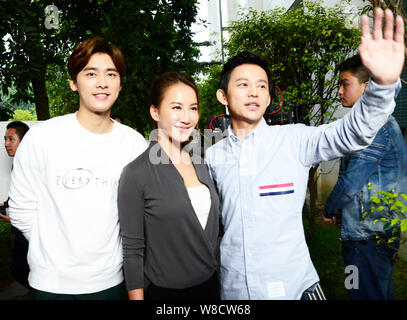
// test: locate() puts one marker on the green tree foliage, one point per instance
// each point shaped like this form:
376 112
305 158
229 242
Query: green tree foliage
303 48
207 87
25 50
154 37
62 99
24 115
5 111
391 209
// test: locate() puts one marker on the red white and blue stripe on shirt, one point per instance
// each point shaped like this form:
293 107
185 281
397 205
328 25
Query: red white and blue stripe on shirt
276 189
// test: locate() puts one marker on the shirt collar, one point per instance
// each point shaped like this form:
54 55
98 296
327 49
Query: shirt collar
254 136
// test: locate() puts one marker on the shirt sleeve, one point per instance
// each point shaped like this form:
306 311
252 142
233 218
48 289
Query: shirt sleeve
24 185
355 131
131 217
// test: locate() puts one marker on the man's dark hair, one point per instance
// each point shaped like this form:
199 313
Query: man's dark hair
356 67
21 128
82 53
244 57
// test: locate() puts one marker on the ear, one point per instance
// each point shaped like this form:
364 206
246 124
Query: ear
73 85
154 112
366 83
222 97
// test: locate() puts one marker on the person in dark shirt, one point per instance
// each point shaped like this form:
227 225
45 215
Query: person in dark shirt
19 266
168 205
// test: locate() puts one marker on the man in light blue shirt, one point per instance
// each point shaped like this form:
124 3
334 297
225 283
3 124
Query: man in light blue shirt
261 171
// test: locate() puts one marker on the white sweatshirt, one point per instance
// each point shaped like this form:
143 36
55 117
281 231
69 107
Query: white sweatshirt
63 197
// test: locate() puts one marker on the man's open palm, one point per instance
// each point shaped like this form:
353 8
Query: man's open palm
382 52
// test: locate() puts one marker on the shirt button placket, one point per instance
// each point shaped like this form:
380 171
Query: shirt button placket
246 174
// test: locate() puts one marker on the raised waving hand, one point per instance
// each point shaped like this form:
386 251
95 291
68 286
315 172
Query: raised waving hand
382 51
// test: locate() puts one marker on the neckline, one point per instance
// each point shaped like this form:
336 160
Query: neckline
96 136
202 186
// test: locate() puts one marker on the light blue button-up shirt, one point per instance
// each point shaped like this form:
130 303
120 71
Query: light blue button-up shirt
262 183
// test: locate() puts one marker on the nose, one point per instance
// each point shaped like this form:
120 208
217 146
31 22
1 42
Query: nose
252 91
101 81
340 91
186 116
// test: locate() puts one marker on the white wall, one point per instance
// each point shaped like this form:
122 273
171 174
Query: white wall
332 3
6 161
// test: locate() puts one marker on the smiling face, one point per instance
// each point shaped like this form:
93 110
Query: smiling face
350 88
177 115
11 141
247 95
98 85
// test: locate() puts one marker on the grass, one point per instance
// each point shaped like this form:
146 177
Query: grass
326 254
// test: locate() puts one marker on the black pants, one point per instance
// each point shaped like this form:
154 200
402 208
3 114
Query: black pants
117 292
19 265
209 290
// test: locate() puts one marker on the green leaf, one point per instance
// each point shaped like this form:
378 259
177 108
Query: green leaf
394 221
375 199
392 239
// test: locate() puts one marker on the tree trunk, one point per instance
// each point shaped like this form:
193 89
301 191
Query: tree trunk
37 66
313 210
40 96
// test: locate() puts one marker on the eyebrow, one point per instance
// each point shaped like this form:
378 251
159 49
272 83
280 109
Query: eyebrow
94 68
246 79
177 102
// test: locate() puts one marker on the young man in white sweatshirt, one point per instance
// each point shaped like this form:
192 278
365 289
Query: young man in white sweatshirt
63 193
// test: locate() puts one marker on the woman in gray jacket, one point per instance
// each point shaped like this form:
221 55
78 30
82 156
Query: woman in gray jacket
168 205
